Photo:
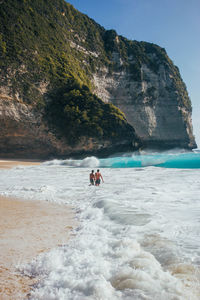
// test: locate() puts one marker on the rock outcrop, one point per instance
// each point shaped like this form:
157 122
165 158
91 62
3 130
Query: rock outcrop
25 133
56 65
152 106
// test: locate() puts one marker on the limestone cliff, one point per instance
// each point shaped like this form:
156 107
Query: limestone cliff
154 105
70 87
26 134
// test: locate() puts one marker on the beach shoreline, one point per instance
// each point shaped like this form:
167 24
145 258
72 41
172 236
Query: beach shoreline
26 230
10 163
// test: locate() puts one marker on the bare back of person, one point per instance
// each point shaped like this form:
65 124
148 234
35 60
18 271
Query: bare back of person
98 178
92 178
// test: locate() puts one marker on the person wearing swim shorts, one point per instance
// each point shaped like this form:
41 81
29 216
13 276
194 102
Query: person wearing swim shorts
92 177
98 178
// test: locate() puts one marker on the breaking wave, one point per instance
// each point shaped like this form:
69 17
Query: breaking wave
166 160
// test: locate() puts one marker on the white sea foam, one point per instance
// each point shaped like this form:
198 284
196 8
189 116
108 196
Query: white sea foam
91 162
138 234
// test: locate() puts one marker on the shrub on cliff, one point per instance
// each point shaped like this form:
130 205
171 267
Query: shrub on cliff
50 41
76 112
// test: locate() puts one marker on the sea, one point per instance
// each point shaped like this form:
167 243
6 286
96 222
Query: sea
138 233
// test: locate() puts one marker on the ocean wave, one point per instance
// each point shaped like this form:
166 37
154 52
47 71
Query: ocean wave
189 160
138 234
92 162
122 270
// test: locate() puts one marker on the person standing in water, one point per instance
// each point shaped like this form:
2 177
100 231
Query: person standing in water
92 177
98 178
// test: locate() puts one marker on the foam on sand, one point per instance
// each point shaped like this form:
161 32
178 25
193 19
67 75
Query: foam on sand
26 229
138 234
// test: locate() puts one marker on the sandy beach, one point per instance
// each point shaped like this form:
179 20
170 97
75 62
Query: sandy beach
6 164
26 230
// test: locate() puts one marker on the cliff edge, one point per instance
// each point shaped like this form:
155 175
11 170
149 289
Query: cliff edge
69 87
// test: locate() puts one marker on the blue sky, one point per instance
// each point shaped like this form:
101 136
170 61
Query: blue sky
172 24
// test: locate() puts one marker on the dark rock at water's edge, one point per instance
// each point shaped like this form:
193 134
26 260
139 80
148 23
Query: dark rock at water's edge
71 88
25 133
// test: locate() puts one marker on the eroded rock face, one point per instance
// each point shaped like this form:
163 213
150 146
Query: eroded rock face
152 106
25 134
21 131
38 58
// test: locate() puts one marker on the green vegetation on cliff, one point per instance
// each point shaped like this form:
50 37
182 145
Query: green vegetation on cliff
47 45
35 41
75 111
38 45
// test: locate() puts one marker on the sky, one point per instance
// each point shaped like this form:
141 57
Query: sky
171 24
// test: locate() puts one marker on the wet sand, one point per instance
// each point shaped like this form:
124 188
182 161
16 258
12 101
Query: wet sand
6 164
28 228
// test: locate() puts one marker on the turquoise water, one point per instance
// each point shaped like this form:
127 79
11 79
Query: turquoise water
178 160
137 234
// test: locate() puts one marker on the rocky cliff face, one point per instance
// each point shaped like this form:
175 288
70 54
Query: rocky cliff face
54 60
154 105
25 133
